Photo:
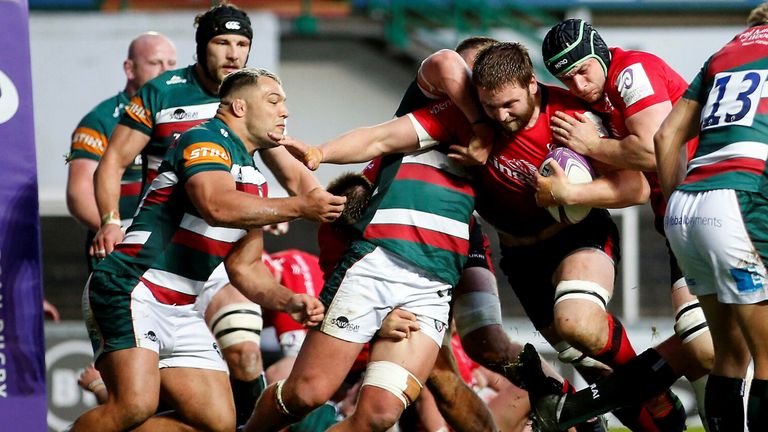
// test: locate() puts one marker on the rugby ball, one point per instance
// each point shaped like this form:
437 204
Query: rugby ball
578 170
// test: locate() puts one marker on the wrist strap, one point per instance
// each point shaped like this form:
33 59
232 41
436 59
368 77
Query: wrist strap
111 218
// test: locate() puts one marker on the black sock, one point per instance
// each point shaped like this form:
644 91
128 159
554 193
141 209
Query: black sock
757 408
246 393
643 377
724 404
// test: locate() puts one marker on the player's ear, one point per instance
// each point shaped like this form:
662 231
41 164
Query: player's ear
128 69
533 85
239 107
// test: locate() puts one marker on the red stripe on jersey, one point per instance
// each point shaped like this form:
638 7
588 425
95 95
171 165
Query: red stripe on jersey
163 130
417 235
201 243
253 189
130 249
753 166
429 174
762 107
151 175
159 196
130 189
168 296
735 53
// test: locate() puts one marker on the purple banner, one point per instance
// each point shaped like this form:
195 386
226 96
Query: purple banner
22 355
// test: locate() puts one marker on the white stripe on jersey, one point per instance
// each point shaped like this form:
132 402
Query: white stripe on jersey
163 180
153 162
743 149
173 281
425 140
421 220
436 159
136 237
199 226
187 113
247 174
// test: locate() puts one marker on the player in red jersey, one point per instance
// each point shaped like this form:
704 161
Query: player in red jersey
636 91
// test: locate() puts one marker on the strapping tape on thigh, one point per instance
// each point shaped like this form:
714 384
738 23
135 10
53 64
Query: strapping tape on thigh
475 310
236 323
582 290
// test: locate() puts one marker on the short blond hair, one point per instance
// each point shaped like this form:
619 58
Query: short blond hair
758 15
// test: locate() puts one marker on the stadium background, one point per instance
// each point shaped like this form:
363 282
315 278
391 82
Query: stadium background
344 64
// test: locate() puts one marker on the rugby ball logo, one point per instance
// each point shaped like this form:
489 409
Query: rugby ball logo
578 170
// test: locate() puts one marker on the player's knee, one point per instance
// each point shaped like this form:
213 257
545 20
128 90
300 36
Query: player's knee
377 413
578 322
244 361
301 397
131 412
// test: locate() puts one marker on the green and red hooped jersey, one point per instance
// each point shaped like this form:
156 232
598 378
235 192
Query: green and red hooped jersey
169 246
421 207
733 142
90 140
164 108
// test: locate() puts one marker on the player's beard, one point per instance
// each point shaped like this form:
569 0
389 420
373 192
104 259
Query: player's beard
520 122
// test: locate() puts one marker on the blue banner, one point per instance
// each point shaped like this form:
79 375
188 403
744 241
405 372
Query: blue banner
22 355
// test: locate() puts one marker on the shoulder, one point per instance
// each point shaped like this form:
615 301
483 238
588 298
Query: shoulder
169 80
560 99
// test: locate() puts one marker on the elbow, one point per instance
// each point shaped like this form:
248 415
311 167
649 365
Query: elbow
216 216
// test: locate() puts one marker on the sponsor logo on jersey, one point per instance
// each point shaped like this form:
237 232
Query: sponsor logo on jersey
9 98
753 35
181 114
633 84
342 322
136 111
436 108
206 152
89 140
518 170
176 80
232 25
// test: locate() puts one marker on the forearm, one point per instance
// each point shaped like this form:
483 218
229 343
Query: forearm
289 172
367 143
106 182
617 189
632 152
235 209
84 210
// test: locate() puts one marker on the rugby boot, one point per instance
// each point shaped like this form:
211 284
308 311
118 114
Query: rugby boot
668 412
546 394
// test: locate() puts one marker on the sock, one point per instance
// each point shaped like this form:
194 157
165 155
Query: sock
699 389
618 350
246 393
645 376
757 408
724 404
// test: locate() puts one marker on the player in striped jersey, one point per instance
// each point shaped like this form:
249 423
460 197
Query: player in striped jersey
157 114
717 217
140 302
149 55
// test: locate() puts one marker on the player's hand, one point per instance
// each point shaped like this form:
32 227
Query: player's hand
578 133
105 240
552 191
310 156
479 148
306 310
398 325
321 206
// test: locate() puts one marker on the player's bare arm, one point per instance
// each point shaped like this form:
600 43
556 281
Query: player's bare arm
219 202
446 74
289 172
248 273
614 189
124 145
635 151
670 141
359 145
81 201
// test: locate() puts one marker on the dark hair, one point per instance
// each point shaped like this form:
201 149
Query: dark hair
758 16
500 64
571 42
474 42
218 20
242 78
358 190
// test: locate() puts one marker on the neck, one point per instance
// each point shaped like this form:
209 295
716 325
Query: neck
237 127
130 89
210 85
536 110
